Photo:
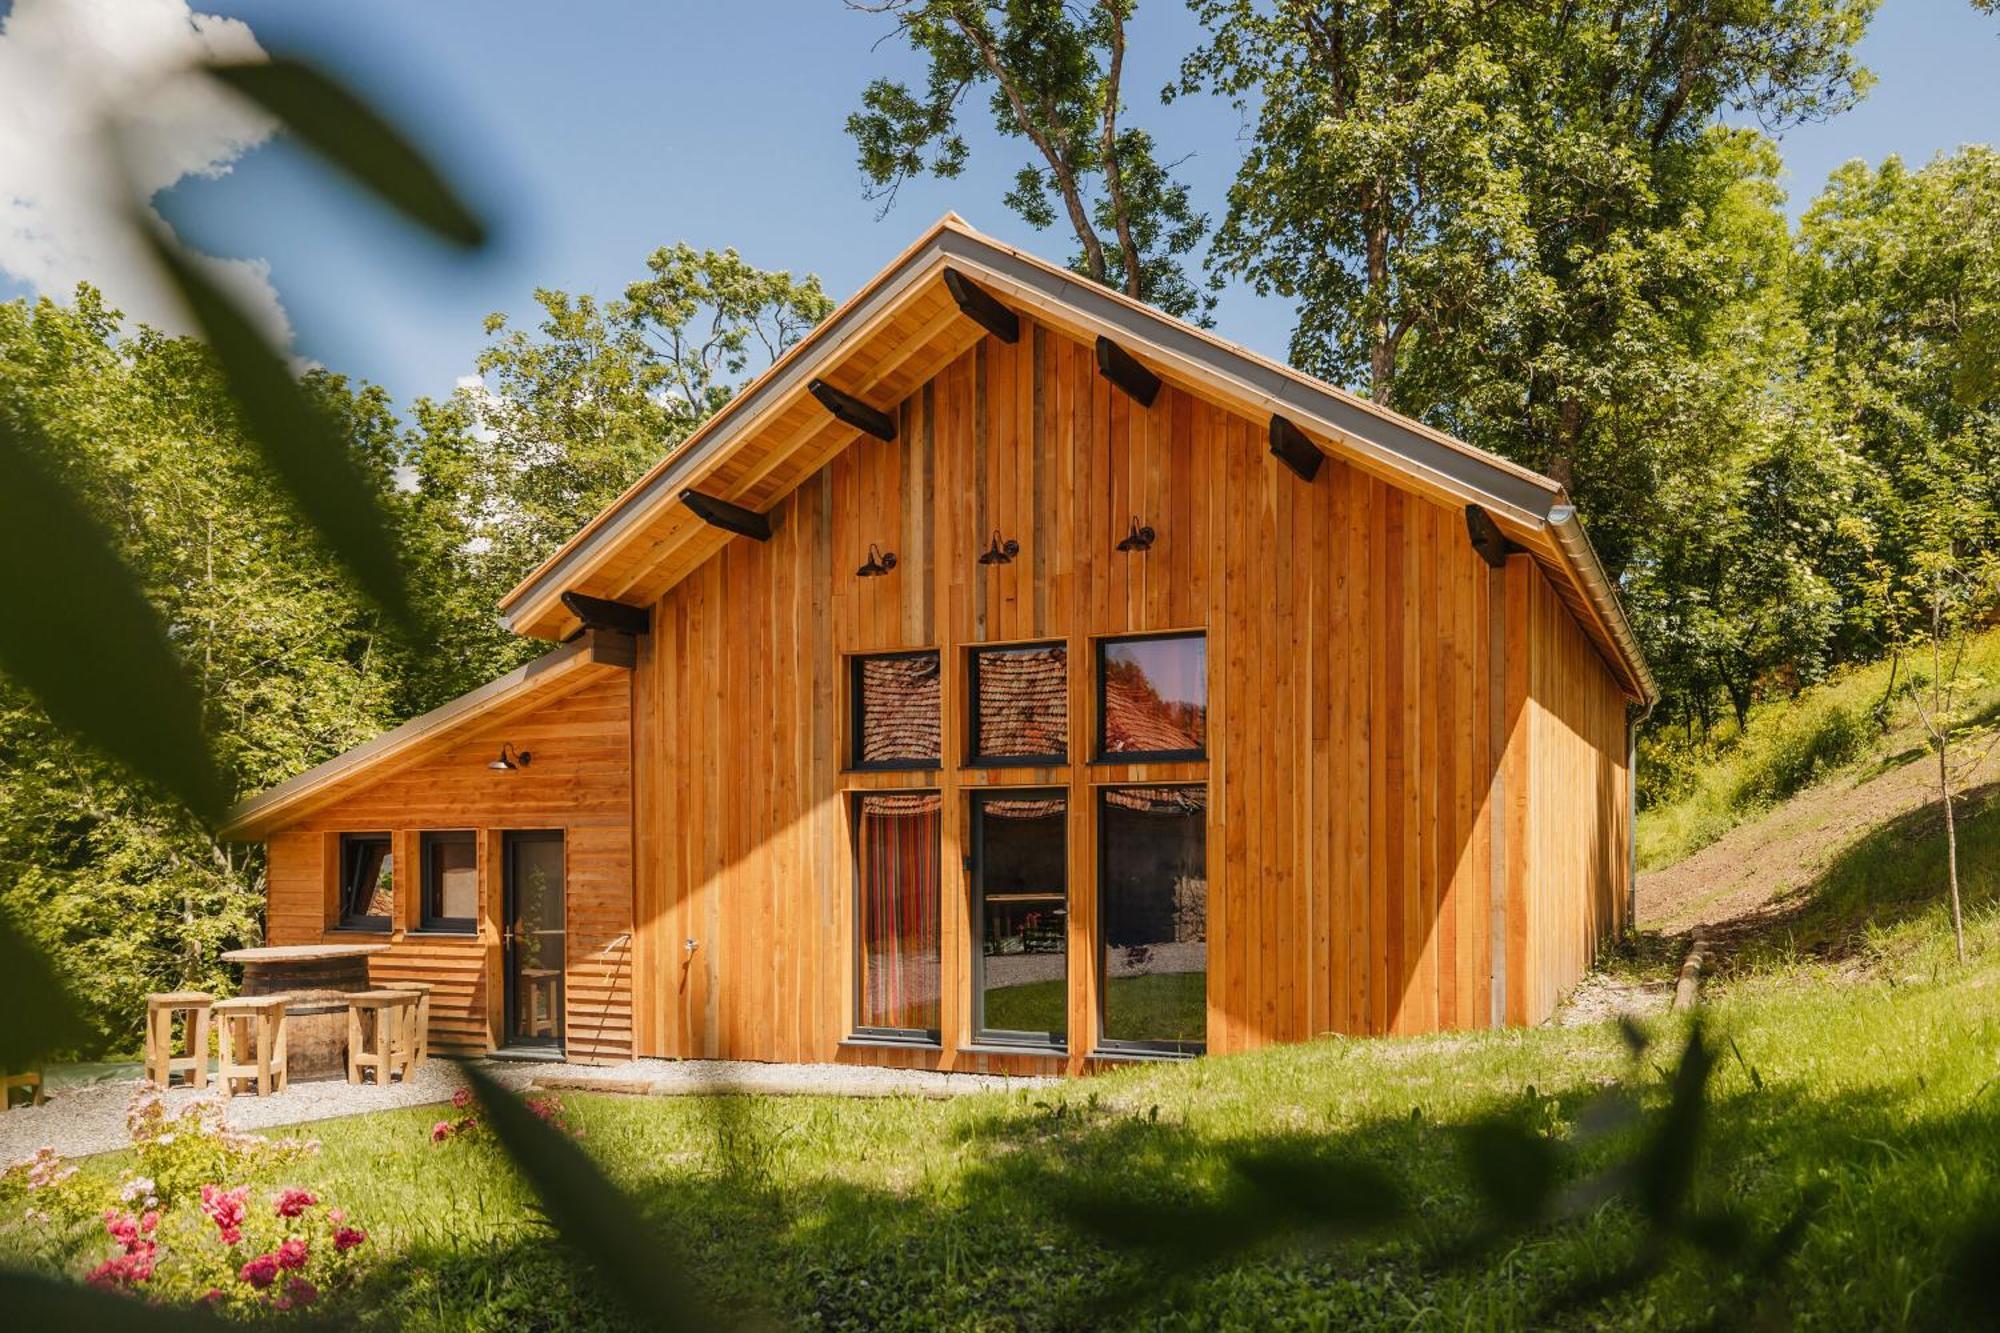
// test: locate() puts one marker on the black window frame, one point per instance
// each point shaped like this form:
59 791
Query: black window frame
427 843
379 925
1103 755
973 757
925 1037
1128 1045
857 715
975 882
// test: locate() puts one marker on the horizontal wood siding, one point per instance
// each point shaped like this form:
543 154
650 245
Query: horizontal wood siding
1351 752
579 782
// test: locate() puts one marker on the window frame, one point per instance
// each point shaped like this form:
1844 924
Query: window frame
857 716
428 842
875 1035
973 757
1129 1045
1101 754
374 925
982 1035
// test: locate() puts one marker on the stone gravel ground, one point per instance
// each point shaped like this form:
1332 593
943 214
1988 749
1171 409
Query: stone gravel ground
81 1118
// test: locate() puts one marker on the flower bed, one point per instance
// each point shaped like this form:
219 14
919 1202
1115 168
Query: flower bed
202 1218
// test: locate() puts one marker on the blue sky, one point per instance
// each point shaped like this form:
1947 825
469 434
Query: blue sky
595 132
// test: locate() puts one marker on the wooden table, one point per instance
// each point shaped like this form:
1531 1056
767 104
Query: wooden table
318 978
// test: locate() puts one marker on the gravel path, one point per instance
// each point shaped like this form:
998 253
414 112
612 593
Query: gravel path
81 1118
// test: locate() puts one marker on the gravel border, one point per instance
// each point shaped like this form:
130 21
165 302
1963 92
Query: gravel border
80 1119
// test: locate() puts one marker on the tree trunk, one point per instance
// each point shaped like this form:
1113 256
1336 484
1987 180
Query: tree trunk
1381 347
1951 851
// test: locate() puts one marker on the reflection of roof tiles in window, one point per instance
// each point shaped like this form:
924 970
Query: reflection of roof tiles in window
1020 809
899 708
1023 702
1137 719
1159 800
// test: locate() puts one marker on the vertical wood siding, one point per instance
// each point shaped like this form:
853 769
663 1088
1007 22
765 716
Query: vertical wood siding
1351 746
579 782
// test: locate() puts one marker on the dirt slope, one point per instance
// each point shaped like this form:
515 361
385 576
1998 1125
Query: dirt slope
1741 877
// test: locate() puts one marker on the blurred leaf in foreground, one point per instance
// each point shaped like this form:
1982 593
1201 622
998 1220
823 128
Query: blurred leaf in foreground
341 127
78 634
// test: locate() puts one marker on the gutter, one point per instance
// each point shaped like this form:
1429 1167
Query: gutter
1568 530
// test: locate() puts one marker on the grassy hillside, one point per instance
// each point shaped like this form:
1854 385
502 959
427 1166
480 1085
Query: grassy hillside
1697 790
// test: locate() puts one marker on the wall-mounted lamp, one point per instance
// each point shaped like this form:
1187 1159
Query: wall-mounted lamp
877 564
1140 538
1000 552
510 759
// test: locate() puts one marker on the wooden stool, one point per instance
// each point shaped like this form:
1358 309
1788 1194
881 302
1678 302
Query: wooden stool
537 994
162 1060
419 1027
29 1082
250 1031
389 1015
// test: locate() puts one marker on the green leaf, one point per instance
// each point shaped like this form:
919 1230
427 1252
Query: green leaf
300 444
78 634
337 124
43 1019
600 1224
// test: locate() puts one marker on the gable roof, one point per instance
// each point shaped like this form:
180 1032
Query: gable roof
592 656
903 327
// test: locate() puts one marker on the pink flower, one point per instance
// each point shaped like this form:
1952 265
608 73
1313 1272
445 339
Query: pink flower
440 1131
260 1272
127 1269
346 1238
291 1202
225 1209
336 1215
123 1228
213 1296
299 1293
292 1254
150 1222
462 1098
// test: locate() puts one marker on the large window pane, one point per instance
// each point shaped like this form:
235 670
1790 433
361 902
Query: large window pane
1154 845
896 711
451 881
1021 854
1153 696
897 839
1020 704
367 881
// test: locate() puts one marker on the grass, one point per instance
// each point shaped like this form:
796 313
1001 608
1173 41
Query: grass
1879 1094
1700 789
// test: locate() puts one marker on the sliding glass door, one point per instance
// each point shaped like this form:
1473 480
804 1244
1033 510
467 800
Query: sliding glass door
1020 886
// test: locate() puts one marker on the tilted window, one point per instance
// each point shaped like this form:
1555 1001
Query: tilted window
367 881
451 881
1020 704
1153 849
896 711
1152 697
897 840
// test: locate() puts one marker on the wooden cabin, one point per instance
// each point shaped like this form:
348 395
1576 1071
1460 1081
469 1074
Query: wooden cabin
1012 678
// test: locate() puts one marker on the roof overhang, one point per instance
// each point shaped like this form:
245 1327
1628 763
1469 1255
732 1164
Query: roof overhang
903 327
590 657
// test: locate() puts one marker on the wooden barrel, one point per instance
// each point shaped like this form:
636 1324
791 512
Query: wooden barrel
306 974
316 1035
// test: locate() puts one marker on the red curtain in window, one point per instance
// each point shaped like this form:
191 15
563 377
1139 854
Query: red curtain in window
899 911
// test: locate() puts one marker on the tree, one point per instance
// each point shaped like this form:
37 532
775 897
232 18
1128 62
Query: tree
126 888
1498 217
569 413
1056 71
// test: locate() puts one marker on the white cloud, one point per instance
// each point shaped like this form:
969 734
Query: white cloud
63 65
